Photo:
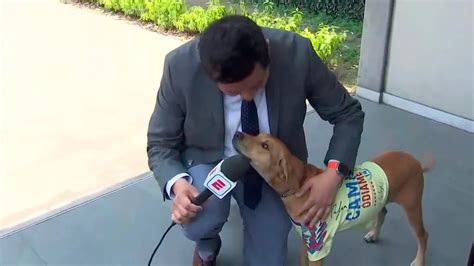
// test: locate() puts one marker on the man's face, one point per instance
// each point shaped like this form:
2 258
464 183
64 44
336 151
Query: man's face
247 88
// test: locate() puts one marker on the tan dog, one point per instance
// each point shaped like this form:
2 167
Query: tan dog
285 174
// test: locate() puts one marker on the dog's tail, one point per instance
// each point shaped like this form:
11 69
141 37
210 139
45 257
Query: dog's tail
428 163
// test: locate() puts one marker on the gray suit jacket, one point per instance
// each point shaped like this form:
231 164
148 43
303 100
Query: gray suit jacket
187 124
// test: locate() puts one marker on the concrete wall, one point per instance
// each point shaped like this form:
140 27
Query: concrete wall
374 44
431 54
417 55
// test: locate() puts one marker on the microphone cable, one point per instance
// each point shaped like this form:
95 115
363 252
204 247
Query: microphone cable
234 167
159 243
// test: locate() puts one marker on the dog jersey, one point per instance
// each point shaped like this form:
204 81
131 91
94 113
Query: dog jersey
358 201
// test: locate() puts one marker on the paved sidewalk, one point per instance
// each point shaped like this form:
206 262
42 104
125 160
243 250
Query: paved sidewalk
77 90
122 228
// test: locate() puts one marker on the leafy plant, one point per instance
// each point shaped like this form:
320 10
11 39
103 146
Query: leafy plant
271 19
294 22
324 41
168 14
110 4
215 11
243 8
163 12
342 8
132 7
196 19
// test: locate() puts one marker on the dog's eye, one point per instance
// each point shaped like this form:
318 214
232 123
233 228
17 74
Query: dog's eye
265 145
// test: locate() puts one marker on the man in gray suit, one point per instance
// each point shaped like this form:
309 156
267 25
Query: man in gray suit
238 76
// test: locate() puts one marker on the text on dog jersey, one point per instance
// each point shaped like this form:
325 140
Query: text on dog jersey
359 194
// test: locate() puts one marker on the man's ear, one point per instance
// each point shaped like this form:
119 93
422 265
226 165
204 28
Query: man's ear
283 165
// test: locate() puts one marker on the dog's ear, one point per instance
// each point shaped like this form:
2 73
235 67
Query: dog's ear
283 165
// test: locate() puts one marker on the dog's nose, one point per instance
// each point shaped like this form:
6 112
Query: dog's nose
238 135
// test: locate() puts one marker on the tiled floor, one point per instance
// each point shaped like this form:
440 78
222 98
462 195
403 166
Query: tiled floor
122 228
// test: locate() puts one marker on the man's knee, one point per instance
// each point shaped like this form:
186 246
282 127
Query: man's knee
209 222
198 230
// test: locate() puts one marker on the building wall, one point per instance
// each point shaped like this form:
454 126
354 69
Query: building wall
430 58
373 44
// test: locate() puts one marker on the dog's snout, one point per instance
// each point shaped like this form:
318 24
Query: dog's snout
238 135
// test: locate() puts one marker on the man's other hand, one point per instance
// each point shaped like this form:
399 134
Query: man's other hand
322 191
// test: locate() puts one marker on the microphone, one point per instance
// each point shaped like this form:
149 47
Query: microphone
222 178
220 181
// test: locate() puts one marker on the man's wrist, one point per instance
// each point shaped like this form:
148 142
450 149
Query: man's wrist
341 169
172 181
179 185
335 175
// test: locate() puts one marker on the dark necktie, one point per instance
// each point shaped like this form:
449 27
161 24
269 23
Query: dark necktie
252 180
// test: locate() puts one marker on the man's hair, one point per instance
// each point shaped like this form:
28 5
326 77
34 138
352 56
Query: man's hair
230 47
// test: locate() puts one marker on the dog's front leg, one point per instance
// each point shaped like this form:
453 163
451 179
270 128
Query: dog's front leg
304 261
316 263
304 255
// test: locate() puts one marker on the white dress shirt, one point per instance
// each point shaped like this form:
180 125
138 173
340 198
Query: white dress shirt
232 106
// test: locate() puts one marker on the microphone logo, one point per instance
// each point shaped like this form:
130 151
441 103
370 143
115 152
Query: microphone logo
218 183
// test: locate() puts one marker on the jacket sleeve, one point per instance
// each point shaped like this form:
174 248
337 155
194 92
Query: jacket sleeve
334 104
165 131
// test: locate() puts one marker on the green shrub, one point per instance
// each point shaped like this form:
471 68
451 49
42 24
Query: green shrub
269 18
346 8
325 41
196 19
132 7
174 14
288 23
163 12
215 11
110 4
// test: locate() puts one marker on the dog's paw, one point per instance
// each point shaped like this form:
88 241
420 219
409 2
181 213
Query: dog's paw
417 262
371 237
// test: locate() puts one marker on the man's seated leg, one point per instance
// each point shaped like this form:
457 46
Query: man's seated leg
265 229
204 228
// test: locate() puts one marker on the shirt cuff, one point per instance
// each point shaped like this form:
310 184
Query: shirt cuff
173 180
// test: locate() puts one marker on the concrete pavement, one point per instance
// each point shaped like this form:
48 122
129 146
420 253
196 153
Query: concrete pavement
77 90
123 228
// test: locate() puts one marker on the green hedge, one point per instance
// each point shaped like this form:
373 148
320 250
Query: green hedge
175 14
347 8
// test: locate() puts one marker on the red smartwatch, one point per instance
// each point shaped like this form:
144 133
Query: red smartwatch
340 168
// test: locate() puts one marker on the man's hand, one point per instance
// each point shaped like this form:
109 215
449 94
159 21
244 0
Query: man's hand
322 189
182 209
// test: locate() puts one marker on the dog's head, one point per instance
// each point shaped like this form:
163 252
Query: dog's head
268 156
